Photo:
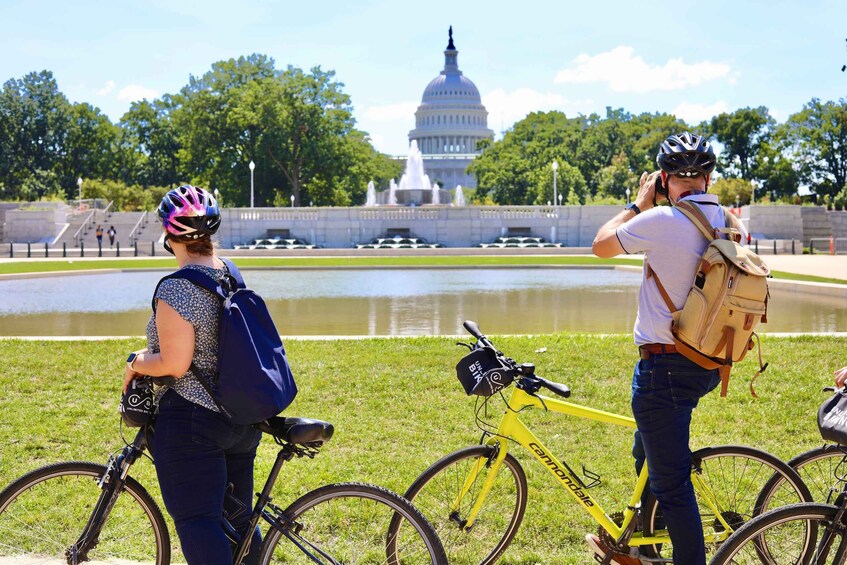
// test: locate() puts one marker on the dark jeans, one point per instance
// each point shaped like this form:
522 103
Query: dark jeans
665 390
198 452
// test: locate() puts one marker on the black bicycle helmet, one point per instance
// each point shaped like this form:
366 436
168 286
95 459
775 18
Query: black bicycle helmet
686 155
189 211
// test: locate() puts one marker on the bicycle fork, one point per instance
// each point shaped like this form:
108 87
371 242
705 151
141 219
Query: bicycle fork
111 485
492 464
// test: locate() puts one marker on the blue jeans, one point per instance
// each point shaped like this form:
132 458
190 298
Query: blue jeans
665 390
198 452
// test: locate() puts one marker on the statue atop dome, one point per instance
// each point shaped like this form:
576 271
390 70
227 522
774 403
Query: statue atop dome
450 46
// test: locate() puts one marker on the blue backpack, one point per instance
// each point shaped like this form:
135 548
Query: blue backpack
254 381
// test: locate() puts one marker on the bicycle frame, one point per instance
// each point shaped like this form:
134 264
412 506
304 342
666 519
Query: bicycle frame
512 428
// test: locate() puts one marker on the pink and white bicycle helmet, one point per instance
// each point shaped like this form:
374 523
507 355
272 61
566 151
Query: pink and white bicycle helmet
190 212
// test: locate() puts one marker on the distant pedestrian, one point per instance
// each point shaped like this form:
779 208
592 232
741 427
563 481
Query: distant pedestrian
112 233
99 233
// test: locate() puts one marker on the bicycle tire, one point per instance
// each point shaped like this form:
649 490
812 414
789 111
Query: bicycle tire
790 534
437 488
43 513
350 523
741 478
820 468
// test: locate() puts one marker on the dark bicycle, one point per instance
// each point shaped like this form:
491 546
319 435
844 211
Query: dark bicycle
76 512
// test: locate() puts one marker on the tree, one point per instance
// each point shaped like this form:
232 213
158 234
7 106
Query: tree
34 120
742 134
151 136
731 191
817 137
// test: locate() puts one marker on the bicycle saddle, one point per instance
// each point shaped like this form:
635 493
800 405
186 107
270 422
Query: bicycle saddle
303 431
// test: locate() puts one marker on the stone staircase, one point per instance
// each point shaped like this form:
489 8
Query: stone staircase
142 227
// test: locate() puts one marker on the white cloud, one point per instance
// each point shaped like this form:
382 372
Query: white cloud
693 114
623 71
390 112
107 88
506 108
134 92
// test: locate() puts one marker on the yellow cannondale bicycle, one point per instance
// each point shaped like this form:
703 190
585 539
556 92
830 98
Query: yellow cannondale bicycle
476 497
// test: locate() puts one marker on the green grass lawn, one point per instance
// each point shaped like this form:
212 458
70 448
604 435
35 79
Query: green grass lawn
397 407
42 266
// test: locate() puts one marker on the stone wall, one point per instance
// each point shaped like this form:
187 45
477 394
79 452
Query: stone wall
574 226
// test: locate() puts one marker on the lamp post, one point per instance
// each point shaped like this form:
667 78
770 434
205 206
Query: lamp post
752 192
292 201
628 192
217 196
79 184
555 169
560 199
252 166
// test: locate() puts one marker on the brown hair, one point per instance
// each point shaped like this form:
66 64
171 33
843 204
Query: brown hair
202 246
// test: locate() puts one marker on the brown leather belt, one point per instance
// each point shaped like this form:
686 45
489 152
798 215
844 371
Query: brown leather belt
649 349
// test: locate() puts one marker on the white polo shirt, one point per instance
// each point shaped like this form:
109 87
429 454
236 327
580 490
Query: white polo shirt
672 245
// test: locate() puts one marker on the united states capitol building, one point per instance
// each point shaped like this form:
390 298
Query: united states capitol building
449 122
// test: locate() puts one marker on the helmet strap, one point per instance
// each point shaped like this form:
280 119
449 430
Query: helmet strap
167 245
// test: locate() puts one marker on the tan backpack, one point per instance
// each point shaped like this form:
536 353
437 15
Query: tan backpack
728 299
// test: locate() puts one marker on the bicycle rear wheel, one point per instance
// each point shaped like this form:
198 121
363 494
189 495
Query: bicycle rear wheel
349 523
741 482
439 487
798 533
43 514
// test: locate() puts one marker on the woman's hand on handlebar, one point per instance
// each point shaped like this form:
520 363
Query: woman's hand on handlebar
841 377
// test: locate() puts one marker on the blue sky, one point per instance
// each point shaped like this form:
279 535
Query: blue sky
693 59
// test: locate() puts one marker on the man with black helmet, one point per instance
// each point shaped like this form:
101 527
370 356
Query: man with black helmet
666 386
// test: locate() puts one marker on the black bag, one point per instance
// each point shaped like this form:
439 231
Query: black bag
137 402
253 380
481 372
832 418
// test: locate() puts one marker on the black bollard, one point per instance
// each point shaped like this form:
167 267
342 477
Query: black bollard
11 250
152 249
64 249
28 250
46 250
118 249
757 246
793 252
81 248
135 245
99 249
774 247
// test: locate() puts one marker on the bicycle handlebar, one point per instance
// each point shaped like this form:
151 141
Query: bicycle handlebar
525 371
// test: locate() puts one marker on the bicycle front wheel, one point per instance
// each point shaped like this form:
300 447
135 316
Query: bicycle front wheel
349 523
43 514
442 494
737 484
798 533
823 469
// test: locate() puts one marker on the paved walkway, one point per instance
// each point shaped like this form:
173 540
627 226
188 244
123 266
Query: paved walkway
831 266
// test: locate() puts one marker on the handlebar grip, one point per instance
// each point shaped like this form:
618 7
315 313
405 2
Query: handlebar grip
562 390
473 329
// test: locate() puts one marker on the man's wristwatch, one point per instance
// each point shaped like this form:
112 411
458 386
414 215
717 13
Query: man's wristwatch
130 360
632 206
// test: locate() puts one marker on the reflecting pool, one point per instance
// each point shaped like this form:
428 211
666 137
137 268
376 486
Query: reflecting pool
383 302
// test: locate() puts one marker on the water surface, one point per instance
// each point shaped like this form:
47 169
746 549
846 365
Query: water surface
383 302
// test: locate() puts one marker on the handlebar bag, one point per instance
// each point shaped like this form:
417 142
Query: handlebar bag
832 418
137 403
481 373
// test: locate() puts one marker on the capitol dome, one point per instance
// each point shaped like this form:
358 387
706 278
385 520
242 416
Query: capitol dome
449 122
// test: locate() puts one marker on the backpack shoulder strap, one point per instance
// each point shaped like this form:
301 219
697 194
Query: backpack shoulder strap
733 224
234 272
698 218
195 277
